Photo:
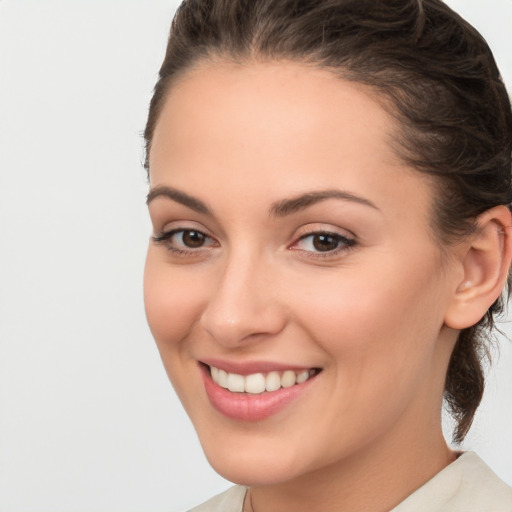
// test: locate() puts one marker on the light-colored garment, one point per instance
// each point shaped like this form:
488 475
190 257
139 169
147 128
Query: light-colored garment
466 485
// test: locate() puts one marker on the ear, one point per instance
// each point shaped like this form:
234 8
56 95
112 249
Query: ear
486 262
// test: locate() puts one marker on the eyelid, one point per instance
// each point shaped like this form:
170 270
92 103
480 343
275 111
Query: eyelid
324 227
183 224
346 239
166 235
327 229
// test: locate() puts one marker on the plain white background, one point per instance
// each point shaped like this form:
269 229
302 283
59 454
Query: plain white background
88 421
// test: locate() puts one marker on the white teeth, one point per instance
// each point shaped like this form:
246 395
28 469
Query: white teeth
288 379
257 383
302 377
273 381
222 379
236 383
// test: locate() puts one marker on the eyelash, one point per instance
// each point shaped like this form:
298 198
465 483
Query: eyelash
165 238
343 243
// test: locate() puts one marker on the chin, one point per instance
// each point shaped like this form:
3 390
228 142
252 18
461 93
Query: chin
258 459
248 471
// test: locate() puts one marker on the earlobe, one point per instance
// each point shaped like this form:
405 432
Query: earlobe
486 263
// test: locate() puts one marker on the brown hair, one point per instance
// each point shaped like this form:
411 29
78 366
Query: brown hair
433 68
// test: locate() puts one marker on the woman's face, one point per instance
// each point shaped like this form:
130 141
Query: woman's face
293 253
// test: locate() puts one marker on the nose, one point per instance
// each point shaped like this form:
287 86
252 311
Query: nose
244 306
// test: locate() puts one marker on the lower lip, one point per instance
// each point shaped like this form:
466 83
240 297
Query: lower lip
248 407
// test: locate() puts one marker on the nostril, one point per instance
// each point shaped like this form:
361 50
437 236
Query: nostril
248 325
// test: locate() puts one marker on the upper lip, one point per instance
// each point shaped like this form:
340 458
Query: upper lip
250 367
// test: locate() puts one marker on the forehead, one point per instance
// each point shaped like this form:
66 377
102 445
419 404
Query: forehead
283 128
262 102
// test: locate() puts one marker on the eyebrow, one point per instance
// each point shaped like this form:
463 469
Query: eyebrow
279 209
180 197
295 204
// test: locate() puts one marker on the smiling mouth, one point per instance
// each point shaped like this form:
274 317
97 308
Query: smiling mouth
257 383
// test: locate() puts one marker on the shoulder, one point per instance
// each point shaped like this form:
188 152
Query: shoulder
466 485
231 500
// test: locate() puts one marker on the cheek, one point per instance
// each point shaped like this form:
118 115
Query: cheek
377 324
173 307
380 333
172 302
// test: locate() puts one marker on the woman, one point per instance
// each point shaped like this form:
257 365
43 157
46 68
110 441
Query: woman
330 191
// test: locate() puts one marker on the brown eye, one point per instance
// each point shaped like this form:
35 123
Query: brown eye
193 239
325 242
181 241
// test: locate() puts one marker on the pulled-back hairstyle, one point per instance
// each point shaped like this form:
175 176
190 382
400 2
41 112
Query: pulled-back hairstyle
432 71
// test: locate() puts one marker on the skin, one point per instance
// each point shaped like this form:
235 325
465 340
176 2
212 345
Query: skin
373 316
